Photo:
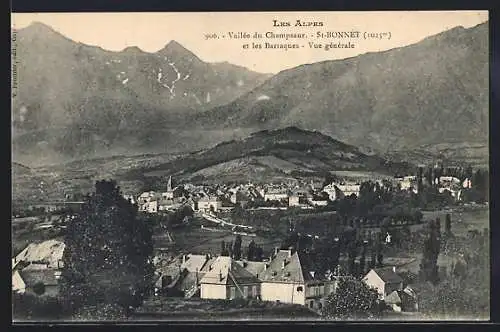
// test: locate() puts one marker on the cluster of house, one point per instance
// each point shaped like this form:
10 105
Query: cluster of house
288 277
37 268
225 197
444 183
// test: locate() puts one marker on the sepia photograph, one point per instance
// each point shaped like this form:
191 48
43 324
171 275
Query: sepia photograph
250 166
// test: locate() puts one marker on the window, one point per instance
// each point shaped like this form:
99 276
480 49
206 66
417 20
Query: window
316 291
300 289
254 291
233 293
245 291
311 304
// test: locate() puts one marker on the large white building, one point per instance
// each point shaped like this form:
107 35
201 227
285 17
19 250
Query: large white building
336 190
211 203
288 278
275 195
227 279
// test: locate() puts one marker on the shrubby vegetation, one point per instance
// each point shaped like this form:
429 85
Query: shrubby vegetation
353 300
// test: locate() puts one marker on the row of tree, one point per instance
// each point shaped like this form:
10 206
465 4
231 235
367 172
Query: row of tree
234 250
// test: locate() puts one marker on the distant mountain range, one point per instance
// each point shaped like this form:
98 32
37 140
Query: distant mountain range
76 100
431 92
272 155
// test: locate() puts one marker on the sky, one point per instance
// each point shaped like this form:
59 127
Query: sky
152 31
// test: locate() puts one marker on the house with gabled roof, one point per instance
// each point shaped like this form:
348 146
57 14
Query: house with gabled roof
290 278
226 279
385 280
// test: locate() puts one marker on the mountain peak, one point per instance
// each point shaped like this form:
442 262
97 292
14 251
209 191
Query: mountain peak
175 49
39 26
40 29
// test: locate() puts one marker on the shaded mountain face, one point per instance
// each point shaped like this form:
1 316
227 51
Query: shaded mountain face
270 155
431 92
75 99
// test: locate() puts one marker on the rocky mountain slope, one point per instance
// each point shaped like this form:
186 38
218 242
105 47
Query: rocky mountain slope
75 99
431 92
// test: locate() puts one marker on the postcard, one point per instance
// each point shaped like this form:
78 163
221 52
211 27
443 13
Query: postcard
254 166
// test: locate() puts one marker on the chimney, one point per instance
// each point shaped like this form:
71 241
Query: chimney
183 259
394 269
276 250
266 266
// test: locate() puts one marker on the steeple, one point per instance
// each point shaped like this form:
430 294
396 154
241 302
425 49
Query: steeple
169 184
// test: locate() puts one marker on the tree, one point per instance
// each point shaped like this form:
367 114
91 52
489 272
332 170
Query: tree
251 251
352 252
362 261
107 257
237 247
259 254
39 288
353 299
448 224
224 251
432 246
373 257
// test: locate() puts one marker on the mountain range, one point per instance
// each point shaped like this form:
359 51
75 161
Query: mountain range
76 100
431 92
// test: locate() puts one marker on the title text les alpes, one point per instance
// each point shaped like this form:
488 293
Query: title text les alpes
297 23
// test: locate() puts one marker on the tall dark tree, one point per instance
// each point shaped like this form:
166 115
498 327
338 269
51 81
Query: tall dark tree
448 224
420 175
362 261
107 257
251 251
373 257
237 247
352 252
224 250
259 254
432 245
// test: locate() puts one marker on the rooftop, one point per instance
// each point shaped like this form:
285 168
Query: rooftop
288 267
388 275
224 271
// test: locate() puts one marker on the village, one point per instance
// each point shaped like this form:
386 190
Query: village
278 273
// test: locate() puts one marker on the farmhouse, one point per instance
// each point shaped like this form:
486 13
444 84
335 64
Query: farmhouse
275 195
227 279
210 203
288 278
337 190
384 280
36 269
147 197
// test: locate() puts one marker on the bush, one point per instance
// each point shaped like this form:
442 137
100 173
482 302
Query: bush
39 288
